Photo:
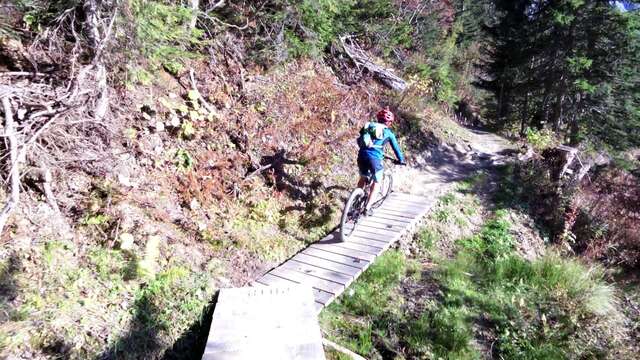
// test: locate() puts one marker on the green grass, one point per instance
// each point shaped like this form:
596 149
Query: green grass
549 308
370 306
87 297
538 309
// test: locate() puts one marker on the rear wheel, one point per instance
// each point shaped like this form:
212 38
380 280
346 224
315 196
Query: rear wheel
351 213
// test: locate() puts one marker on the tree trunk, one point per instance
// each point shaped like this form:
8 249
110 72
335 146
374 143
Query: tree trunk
195 7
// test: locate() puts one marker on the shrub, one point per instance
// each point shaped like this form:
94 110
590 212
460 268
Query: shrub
540 139
163 34
551 307
608 224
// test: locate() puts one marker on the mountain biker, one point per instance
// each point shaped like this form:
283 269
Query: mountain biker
370 155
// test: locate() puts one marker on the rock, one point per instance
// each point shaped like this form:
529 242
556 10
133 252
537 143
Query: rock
126 241
174 121
461 149
21 113
194 204
159 126
124 180
22 242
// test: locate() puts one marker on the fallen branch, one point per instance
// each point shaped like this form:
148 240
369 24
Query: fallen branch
21 73
361 59
9 133
342 349
194 85
215 19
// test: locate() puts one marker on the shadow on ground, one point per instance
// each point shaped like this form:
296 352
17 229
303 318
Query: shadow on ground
142 340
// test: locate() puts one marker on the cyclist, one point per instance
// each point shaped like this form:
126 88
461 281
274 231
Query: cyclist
373 138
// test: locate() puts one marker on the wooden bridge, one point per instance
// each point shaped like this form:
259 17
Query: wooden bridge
277 317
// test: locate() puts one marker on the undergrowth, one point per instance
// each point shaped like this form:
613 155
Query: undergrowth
72 298
489 302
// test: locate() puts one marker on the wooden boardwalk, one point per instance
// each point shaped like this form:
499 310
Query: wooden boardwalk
329 266
265 323
277 317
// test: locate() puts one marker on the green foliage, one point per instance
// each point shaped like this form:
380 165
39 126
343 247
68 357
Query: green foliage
164 36
187 131
373 296
570 67
183 160
540 139
494 240
95 219
551 307
525 298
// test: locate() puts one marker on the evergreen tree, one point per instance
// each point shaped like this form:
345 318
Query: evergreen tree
568 65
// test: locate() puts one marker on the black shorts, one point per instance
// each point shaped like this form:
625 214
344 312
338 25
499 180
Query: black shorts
370 167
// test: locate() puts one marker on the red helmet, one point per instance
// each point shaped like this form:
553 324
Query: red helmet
385 116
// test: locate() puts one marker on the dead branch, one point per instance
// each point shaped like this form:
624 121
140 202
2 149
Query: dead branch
216 5
9 133
341 349
21 73
215 19
361 59
194 85
258 171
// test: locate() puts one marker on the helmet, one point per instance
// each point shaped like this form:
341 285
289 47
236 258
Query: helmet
385 116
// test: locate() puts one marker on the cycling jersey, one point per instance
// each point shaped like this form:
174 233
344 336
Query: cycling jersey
370 158
377 151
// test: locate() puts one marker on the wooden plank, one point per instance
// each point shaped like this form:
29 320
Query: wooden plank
366 228
373 250
396 213
368 241
317 272
408 201
327 264
361 234
405 202
372 235
338 242
379 215
411 212
322 297
317 283
409 208
381 225
376 227
409 197
342 251
386 222
342 259
242 329
270 280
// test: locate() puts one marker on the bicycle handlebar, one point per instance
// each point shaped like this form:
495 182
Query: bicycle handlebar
395 161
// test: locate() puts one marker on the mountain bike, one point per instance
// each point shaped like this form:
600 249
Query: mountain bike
355 207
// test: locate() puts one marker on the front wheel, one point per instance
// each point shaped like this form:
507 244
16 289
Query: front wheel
351 213
386 187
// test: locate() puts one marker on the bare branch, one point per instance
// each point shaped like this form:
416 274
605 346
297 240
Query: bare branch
9 133
361 59
194 85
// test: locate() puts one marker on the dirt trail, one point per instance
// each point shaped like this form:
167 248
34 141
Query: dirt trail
433 171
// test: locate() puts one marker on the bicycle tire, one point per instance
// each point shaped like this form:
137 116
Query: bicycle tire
350 219
386 187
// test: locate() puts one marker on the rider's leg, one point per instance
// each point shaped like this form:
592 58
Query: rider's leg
362 182
372 190
375 186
